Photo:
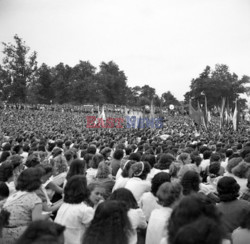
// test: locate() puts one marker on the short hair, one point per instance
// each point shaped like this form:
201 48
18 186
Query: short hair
126 196
190 182
4 156
168 193
91 149
207 154
17 148
32 161
149 158
158 180
135 157
76 190
165 161
215 157
118 154
6 171
29 180
228 189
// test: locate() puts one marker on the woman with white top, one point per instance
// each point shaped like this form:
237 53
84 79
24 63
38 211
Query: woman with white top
135 214
74 213
168 195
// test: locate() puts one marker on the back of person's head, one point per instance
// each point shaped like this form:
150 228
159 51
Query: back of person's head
4 156
118 154
229 152
228 189
6 171
97 158
128 150
29 180
126 196
77 167
42 231
204 230
32 161
168 193
190 182
165 161
103 170
91 149
190 209
126 168
140 170
233 162
158 180
109 225
76 190
207 154
135 157
214 169
149 158
215 157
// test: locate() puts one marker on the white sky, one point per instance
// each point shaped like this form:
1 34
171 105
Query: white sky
162 43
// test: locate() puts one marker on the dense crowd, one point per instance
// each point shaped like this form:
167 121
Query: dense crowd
61 182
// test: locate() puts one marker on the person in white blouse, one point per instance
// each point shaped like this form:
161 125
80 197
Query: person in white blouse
168 194
74 213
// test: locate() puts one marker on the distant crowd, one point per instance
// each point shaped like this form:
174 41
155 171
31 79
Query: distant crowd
61 182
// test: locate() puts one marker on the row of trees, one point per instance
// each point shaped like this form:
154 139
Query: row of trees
21 80
216 84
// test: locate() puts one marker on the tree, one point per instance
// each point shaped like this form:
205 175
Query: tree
112 82
215 85
20 67
40 90
169 98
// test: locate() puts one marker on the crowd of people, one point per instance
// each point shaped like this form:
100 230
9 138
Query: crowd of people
61 182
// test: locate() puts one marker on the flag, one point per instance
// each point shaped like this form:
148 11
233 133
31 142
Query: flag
195 115
152 110
206 113
222 112
103 116
235 116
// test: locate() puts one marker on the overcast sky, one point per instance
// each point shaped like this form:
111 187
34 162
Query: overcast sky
162 43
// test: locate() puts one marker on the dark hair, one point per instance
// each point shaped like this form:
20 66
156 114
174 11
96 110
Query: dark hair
109 225
126 196
39 229
32 161
165 161
76 190
228 189
190 209
4 156
215 157
29 180
6 171
118 154
17 148
158 180
128 150
4 190
97 158
77 167
207 154
4 219
204 230
245 222
135 157
168 193
126 167
91 149
149 158
190 182
140 170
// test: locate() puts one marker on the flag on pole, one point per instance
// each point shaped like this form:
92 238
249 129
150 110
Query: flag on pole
222 112
206 113
103 116
236 116
152 110
195 115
